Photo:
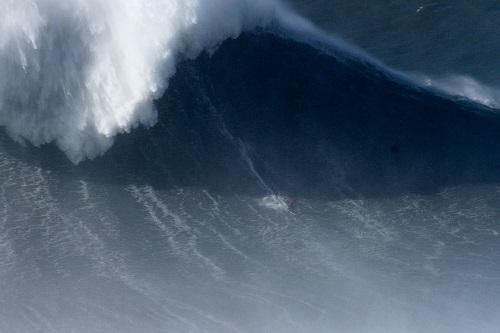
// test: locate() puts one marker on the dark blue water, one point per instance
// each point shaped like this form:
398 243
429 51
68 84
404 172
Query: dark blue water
440 38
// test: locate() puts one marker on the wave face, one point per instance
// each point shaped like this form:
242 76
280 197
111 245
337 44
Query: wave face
79 72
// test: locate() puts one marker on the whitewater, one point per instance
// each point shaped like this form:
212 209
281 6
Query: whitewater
79 72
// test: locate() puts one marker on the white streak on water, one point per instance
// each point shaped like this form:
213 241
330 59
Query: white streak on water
181 237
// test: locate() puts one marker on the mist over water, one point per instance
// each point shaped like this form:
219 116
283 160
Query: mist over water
250 173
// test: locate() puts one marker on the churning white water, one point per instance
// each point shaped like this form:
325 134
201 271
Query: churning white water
78 72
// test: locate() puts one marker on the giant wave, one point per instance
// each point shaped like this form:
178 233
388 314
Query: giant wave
291 183
79 72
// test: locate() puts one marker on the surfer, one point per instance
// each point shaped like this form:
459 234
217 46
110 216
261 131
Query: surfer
289 201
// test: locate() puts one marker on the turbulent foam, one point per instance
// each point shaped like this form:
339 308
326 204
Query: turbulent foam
77 72
468 88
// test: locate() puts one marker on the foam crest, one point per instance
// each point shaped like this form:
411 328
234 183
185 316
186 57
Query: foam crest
78 72
468 88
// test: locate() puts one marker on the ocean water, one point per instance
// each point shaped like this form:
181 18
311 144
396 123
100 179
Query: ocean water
443 38
229 166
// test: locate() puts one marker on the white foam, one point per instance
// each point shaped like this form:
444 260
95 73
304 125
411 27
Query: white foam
275 202
468 88
77 72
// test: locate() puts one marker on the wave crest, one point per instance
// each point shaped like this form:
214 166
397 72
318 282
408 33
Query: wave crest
78 72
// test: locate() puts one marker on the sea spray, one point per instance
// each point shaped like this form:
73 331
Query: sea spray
78 72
